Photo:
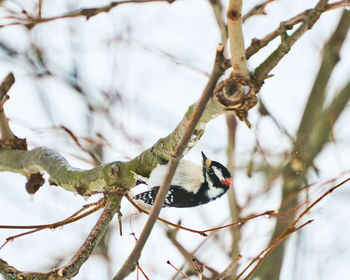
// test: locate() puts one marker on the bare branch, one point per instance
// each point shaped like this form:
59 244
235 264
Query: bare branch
309 139
134 256
178 270
230 269
257 44
306 147
287 232
235 208
32 21
218 11
97 205
112 207
73 218
5 131
257 10
235 34
268 213
163 220
262 71
68 271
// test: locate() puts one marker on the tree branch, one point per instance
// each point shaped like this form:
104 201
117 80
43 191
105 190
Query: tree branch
112 177
112 207
218 10
235 34
262 71
103 178
32 21
307 146
235 208
286 233
257 10
314 118
130 264
68 271
5 131
73 218
257 44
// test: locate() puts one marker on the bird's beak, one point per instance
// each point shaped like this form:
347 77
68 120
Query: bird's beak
206 161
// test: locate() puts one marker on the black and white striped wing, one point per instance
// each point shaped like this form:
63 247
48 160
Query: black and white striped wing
176 197
147 197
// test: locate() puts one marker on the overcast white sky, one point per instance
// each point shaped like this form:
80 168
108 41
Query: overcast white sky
127 51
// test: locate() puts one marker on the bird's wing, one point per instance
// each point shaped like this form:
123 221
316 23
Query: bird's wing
147 197
176 197
179 197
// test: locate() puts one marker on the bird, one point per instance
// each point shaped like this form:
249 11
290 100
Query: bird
191 186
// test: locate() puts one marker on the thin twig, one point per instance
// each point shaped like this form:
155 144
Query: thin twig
163 220
13 237
112 207
262 71
129 264
98 205
178 270
242 221
318 200
317 129
270 248
94 156
143 273
291 229
204 232
313 121
230 269
257 44
68 271
31 21
73 218
218 11
257 10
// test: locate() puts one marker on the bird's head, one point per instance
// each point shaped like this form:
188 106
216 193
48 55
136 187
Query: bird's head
216 173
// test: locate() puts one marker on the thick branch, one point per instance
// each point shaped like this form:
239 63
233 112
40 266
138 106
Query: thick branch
5 131
235 34
103 178
113 176
235 209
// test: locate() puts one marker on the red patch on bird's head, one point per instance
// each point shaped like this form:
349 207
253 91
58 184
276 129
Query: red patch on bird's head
226 182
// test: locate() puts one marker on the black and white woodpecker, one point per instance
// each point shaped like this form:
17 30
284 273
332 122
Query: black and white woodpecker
191 186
